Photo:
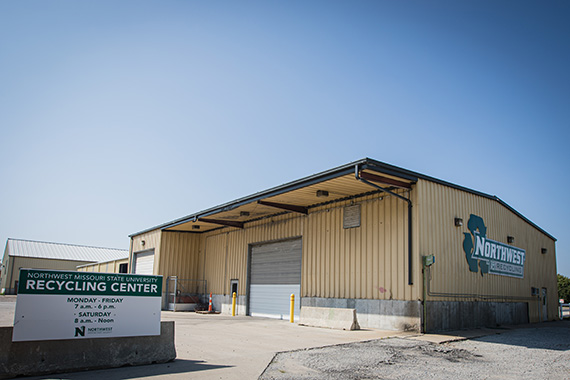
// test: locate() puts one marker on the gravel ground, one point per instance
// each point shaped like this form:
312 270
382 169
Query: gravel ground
525 353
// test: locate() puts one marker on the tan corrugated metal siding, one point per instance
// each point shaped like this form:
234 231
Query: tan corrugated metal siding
179 255
439 205
214 261
151 241
368 262
15 263
225 252
107 267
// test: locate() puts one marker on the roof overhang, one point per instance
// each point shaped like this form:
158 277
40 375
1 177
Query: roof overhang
299 196
302 195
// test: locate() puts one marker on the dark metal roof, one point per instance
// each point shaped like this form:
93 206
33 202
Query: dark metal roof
363 164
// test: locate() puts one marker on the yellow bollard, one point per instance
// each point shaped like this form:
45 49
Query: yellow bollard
292 312
234 296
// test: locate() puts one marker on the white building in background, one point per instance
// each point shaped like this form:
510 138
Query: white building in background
44 255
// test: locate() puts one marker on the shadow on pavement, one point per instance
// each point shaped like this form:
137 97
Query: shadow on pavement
178 366
546 335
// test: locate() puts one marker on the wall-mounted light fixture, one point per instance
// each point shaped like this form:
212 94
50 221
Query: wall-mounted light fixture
244 213
510 239
195 227
143 242
322 193
544 251
458 222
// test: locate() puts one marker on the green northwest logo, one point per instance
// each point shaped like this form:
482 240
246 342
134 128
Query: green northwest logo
491 256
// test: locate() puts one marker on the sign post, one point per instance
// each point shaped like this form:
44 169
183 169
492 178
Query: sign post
55 305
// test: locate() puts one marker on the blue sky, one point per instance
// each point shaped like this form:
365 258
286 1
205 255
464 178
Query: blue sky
118 116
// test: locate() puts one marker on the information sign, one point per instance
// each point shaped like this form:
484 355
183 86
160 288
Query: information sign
79 305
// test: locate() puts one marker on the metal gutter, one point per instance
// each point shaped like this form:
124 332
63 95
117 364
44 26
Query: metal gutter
131 259
12 273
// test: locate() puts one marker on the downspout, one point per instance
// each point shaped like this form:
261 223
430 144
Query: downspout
131 257
12 273
425 276
357 175
204 271
539 308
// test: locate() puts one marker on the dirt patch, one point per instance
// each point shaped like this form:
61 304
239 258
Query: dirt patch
373 359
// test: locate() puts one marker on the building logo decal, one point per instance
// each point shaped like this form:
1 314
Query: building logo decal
491 256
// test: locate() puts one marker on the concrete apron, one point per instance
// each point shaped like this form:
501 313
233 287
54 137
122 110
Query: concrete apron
221 346
224 347
244 346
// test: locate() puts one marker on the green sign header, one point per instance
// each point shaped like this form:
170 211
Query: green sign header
38 281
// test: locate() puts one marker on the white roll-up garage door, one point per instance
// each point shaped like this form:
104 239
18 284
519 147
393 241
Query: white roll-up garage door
275 275
144 262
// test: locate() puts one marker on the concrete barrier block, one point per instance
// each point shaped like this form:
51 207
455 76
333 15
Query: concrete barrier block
58 356
329 317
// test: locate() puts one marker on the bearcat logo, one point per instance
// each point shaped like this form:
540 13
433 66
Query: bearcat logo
488 255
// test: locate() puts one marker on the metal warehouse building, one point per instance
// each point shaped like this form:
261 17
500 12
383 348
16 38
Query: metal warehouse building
407 251
109 266
43 255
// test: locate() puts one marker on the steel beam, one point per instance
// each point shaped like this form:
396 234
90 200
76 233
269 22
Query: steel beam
229 223
283 206
385 180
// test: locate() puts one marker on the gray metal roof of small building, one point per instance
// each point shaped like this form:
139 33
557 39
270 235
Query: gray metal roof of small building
59 251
